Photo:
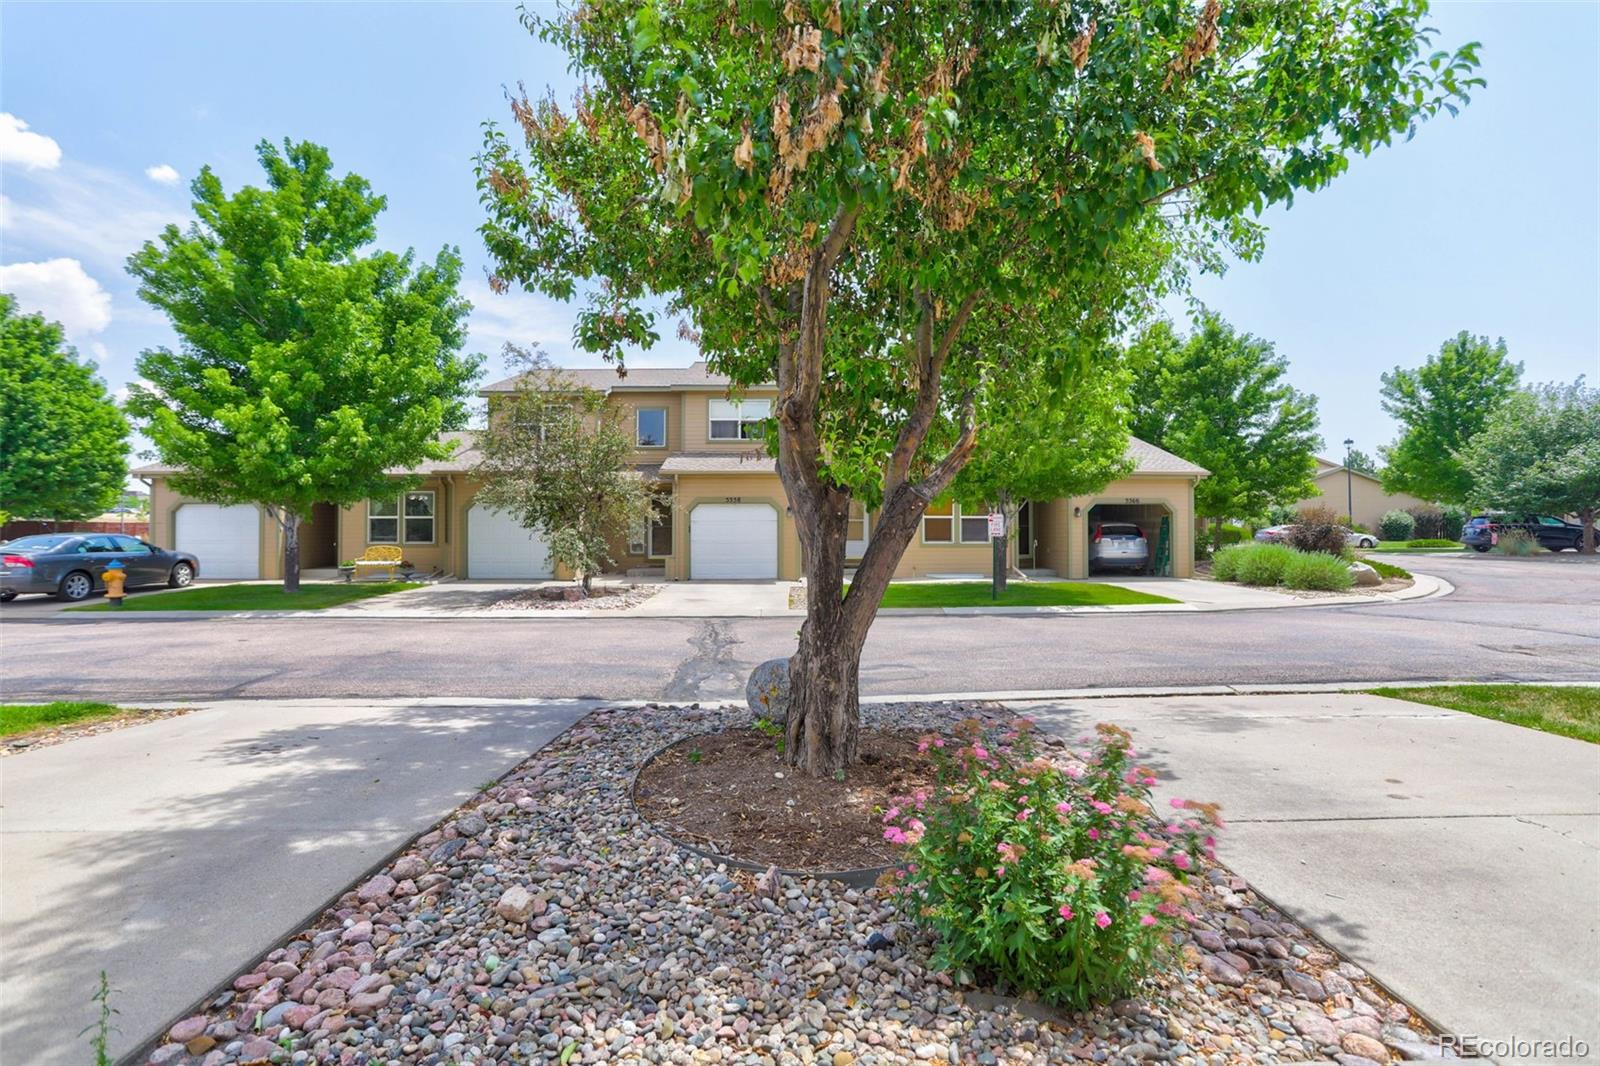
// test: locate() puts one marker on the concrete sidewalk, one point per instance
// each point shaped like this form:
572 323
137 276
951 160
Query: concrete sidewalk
172 853
1456 858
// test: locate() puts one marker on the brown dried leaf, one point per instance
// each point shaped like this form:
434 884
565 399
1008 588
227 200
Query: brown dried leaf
1079 48
744 156
1199 45
1147 149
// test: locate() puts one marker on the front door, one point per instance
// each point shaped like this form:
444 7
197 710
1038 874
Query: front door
1025 534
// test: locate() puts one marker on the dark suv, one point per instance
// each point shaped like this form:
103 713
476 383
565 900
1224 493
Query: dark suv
1482 531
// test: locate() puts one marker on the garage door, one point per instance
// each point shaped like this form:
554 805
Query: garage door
226 539
499 547
733 540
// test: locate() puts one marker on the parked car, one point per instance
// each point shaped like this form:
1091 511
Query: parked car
1353 539
1118 546
1273 534
70 566
1483 531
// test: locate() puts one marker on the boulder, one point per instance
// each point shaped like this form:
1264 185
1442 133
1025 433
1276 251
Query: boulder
516 904
767 691
568 593
1366 576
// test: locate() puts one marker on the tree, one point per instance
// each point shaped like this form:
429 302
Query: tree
63 442
1440 406
837 194
307 367
1361 462
1218 398
555 457
1540 452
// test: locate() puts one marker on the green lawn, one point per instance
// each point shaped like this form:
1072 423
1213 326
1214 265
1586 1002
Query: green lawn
1017 594
1568 712
26 717
254 598
1400 546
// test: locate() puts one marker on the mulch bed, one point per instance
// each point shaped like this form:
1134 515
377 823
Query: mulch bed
18 743
734 793
547 921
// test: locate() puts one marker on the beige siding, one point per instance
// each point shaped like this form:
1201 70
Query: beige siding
1064 526
922 559
1370 501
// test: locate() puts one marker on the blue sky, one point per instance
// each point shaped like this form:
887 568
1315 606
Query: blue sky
1489 222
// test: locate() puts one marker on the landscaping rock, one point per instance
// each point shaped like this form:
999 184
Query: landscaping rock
1366 576
565 593
516 904
1363 1045
767 691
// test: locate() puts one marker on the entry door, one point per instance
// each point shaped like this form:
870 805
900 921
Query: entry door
733 541
1025 531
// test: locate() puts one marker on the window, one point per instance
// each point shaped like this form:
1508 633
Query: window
98 544
419 517
738 419
1546 520
650 424
855 526
938 523
131 545
383 521
974 528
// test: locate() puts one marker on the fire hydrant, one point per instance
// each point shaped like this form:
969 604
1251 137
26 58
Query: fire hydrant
114 577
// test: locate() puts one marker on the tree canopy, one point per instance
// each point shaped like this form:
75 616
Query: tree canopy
1540 453
1358 460
307 366
1219 398
833 194
1441 405
63 441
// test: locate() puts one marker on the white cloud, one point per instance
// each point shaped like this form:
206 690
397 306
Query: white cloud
96 215
162 174
62 291
18 145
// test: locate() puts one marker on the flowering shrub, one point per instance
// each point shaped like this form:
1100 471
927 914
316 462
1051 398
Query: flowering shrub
1056 880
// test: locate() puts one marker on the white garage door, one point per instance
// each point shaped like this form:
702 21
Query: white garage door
226 539
733 540
499 547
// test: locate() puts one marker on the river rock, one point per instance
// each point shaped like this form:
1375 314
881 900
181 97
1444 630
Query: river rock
767 691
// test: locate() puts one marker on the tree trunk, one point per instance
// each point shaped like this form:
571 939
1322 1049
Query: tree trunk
291 551
1587 518
999 563
1216 535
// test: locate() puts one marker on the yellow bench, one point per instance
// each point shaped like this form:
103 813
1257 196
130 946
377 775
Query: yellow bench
380 557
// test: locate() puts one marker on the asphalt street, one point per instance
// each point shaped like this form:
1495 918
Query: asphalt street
1509 619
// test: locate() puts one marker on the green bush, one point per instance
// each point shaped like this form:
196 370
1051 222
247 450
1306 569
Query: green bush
1057 882
1263 564
1315 570
1518 542
1233 534
1387 569
1397 525
1452 520
1432 542
1225 567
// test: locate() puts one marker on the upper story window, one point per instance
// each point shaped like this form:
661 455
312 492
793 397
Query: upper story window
738 419
650 426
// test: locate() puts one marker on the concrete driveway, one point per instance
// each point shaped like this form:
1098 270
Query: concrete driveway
1456 858
170 854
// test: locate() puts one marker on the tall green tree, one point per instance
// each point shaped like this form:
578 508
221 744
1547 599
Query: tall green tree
308 364
1441 405
1359 460
1540 452
1219 398
834 192
556 458
63 441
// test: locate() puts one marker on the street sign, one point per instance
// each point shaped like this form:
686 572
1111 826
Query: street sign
997 525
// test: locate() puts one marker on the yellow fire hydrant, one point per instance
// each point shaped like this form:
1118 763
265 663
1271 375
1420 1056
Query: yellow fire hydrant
114 577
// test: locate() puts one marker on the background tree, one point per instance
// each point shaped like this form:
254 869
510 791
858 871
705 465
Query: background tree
834 192
307 366
1218 398
63 442
1440 406
1360 461
555 457
1540 453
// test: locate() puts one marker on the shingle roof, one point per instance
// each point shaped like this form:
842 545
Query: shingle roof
746 463
1148 459
607 378
464 458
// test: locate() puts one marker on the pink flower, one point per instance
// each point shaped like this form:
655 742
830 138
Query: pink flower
921 798
1008 852
1149 781
922 746
1181 861
891 814
1022 815
1063 807
938 742
1134 895
999 871
1176 802
1074 772
980 752
1102 919
1103 808
1148 919
1094 834
1155 875
1065 912
894 835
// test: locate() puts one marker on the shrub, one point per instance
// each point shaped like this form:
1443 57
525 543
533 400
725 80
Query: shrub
1452 520
1263 564
1432 542
1315 570
1225 566
1387 569
1056 881
1518 542
1317 529
1427 520
1397 525
1232 534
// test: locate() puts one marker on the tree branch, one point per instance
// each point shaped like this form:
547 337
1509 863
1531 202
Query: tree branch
930 366
1160 196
